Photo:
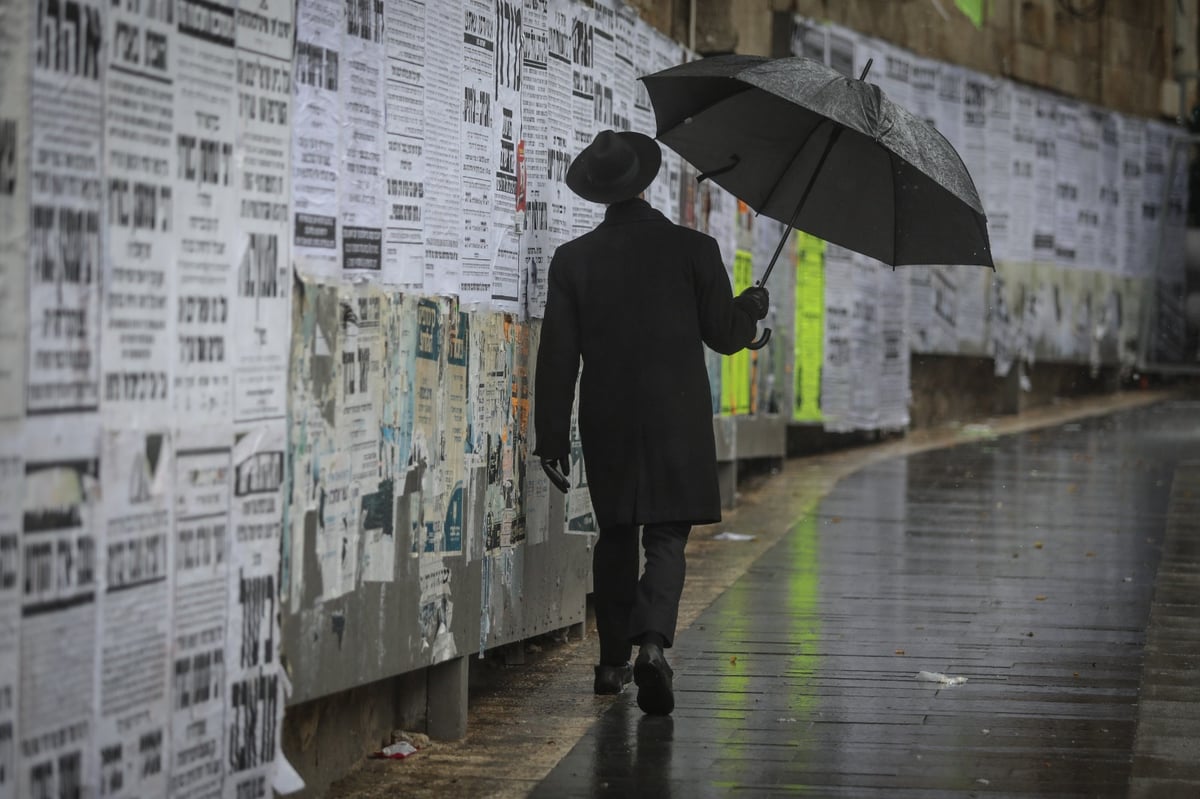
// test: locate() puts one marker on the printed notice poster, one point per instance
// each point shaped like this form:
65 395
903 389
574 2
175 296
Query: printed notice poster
1108 191
994 184
135 615
204 199
507 160
361 164
405 44
534 146
59 643
138 336
1133 142
1066 183
14 210
262 297
445 106
583 105
203 484
480 112
254 688
66 202
12 478
1021 188
1045 140
316 137
1088 171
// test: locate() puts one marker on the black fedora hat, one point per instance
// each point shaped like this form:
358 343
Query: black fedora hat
614 167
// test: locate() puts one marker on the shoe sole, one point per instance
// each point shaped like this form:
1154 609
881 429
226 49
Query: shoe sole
655 695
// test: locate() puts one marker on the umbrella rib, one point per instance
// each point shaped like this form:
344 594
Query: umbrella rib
792 161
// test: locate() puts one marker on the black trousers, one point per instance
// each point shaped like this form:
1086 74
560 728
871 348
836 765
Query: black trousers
628 606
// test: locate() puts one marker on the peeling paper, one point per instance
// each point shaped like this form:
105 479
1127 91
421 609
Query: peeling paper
938 677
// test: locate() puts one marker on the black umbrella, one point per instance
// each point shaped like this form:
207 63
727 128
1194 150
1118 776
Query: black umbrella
777 132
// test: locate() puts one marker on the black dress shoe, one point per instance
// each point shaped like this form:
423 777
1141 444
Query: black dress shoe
654 678
612 679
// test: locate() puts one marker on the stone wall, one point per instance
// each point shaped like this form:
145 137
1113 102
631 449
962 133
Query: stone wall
1122 54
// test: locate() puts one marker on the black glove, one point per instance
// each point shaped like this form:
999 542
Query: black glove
757 301
557 470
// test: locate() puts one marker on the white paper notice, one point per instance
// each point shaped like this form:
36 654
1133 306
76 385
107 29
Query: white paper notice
316 137
1021 188
1133 142
12 479
254 681
262 300
1108 191
138 339
361 167
205 210
404 237
1087 230
135 614
1066 183
201 553
67 197
59 645
445 105
1044 176
995 183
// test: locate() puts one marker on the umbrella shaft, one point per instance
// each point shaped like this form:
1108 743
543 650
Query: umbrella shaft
833 137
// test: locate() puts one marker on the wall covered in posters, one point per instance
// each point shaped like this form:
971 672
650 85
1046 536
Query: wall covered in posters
270 281
1086 218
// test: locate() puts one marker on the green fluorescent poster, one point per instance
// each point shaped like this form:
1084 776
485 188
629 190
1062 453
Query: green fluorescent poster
810 327
735 369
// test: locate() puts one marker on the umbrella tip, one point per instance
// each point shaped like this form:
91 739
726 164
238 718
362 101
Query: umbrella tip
866 69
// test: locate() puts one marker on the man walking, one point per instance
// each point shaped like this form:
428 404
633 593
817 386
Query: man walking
637 299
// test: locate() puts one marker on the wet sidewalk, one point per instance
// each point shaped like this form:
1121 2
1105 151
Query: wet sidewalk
963 621
992 618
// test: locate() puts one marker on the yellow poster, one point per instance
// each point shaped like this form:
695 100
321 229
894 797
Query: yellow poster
735 369
810 327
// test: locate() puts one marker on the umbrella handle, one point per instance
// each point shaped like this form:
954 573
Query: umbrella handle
762 341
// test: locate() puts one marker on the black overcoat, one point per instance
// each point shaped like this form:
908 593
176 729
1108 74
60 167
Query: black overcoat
637 299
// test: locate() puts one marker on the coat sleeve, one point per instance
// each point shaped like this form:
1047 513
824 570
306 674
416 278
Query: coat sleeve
557 366
726 323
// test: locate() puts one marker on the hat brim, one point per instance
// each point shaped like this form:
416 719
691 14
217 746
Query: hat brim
649 157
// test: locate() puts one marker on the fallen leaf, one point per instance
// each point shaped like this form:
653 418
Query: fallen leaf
733 660
1037 544
899 651
1040 597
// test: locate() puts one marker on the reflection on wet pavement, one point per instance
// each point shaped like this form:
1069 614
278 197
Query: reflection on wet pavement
1024 564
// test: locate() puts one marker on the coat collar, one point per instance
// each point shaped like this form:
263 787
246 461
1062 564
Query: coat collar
632 210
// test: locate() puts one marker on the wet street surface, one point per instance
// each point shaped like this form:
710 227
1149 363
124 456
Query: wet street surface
964 621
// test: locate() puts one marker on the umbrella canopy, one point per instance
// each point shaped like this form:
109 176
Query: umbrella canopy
825 153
